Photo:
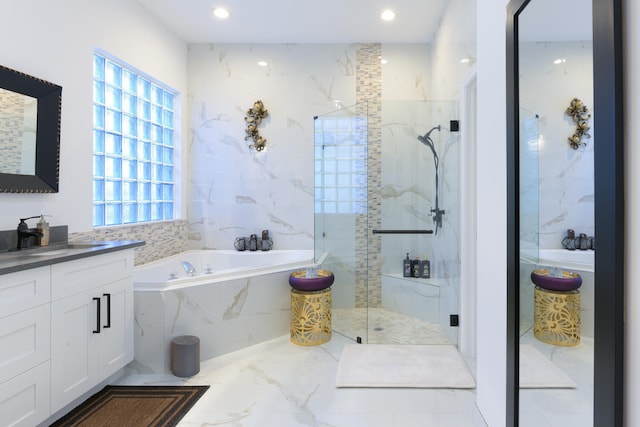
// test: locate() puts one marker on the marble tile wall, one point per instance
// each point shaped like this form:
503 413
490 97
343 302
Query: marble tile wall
234 190
565 184
226 316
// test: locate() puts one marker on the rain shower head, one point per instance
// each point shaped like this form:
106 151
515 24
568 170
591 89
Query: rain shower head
427 136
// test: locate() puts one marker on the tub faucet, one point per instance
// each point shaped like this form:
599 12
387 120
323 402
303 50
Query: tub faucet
24 232
190 269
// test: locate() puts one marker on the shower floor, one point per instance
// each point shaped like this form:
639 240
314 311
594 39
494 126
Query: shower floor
383 326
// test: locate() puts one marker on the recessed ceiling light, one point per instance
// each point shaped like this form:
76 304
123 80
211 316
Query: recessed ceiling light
387 15
221 12
263 63
560 61
465 60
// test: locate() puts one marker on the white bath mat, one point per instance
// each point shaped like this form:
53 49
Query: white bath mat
406 366
537 371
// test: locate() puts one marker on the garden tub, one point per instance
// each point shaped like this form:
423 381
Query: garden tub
234 300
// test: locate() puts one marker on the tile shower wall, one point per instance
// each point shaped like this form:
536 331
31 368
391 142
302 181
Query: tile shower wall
234 190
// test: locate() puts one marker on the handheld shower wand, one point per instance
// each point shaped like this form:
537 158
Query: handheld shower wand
426 140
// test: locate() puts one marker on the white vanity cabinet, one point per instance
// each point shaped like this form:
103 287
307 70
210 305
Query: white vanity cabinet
55 343
91 323
24 347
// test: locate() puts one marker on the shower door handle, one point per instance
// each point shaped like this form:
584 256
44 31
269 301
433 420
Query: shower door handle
402 231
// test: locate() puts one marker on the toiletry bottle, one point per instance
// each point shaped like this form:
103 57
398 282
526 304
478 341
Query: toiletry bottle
425 269
266 242
253 242
415 267
406 266
43 227
568 242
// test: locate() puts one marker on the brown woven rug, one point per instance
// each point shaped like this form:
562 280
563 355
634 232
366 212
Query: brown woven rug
134 406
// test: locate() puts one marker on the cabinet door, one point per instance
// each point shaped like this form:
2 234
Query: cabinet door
24 341
74 347
24 400
116 336
24 290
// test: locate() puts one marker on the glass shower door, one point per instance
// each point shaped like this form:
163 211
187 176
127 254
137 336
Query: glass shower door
419 191
340 169
529 217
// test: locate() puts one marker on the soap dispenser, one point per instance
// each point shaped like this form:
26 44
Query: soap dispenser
425 268
43 228
406 266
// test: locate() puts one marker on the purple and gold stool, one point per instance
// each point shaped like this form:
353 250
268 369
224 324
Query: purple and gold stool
310 307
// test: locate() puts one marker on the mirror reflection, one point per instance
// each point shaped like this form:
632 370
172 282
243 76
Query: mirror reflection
557 198
18 126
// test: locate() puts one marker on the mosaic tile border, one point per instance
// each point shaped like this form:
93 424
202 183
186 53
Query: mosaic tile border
369 94
162 238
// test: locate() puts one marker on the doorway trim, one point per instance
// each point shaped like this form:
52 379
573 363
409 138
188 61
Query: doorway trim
467 337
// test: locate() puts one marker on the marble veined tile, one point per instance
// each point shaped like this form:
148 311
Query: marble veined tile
276 384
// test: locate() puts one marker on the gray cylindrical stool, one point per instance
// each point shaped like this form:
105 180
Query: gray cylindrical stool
185 355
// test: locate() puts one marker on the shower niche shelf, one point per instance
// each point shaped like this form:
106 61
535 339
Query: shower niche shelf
431 281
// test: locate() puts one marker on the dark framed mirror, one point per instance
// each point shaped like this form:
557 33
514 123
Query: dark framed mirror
604 388
30 113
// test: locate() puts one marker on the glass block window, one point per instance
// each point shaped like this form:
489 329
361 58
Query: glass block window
340 164
133 145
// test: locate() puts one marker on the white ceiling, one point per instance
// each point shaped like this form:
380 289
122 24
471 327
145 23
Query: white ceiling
300 21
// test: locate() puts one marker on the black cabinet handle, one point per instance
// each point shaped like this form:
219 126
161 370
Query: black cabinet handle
108 325
97 330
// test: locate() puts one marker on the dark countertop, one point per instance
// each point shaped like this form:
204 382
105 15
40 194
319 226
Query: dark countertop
40 256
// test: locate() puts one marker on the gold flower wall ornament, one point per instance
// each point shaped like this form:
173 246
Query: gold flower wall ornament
580 114
253 119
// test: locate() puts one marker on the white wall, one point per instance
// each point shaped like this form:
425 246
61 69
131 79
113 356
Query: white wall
54 41
455 40
632 211
492 232
491 211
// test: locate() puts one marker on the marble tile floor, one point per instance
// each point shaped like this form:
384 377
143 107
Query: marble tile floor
279 384
381 326
561 407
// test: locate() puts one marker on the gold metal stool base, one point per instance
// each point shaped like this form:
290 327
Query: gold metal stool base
310 317
556 317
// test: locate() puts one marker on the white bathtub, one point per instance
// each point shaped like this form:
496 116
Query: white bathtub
244 301
213 266
569 260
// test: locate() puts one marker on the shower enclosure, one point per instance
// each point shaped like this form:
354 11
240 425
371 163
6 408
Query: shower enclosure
376 201
529 222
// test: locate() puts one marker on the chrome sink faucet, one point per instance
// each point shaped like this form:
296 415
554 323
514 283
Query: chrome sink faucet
24 232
